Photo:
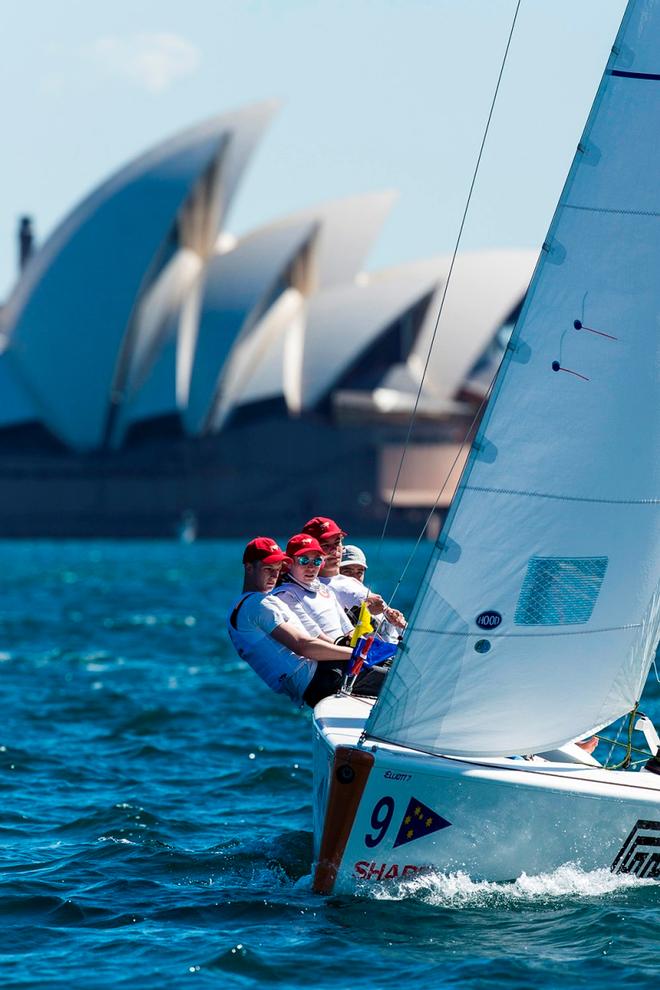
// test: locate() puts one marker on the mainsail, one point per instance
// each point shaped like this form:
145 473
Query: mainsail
539 612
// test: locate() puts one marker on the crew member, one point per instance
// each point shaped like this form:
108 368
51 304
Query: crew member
269 637
315 604
349 591
353 562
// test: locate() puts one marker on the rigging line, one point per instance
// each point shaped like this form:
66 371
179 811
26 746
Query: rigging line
413 415
625 762
633 749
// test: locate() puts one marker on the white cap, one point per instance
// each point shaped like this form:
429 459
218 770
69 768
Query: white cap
353 555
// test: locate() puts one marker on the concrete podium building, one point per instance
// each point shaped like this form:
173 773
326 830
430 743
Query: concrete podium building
155 368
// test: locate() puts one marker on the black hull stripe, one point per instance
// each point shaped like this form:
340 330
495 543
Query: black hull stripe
635 75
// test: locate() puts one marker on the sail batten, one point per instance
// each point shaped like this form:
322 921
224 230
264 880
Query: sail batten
539 613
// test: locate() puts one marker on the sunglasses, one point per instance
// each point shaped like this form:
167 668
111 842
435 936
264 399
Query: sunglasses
305 560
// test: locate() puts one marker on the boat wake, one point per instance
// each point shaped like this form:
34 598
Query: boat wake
457 890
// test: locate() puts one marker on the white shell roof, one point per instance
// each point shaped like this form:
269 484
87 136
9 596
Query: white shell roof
340 324
343 233
343 322
267 377
266 363
485 287
238 282
123 309
151 380
238 289
74 303
158 317
346 230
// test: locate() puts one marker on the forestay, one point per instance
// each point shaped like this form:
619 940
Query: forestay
539 612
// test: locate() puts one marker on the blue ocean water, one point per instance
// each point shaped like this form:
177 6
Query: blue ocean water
156 810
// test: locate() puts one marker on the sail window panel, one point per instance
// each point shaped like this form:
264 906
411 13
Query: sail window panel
560 591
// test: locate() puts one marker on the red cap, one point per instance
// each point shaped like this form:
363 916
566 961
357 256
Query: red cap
303 543
264 549
322 528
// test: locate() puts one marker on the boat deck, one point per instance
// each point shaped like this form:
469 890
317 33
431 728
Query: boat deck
340 721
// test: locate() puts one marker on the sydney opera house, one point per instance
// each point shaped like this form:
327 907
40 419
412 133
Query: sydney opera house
156 368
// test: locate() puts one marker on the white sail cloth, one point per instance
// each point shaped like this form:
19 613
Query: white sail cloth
555 529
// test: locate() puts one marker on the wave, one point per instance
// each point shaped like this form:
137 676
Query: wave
457 890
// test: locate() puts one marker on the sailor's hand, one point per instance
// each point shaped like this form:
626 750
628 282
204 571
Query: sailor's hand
395 618
375 604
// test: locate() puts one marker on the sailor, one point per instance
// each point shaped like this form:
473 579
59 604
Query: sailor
315 606
353 566
353 562
348 590
268 636
314 603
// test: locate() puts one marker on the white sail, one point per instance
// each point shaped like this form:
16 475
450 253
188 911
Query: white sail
553 539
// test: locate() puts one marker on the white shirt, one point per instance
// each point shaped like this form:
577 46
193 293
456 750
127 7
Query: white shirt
348 590
255 616
316 607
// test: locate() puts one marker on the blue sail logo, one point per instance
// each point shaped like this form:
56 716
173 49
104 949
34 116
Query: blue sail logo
490 619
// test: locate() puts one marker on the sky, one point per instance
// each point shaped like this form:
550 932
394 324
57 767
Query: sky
374 94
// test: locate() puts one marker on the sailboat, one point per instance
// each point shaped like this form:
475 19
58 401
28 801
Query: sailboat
538 616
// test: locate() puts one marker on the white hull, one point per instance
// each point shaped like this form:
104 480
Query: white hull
493 819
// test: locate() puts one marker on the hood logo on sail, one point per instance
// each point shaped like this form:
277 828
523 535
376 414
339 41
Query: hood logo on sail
490 619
